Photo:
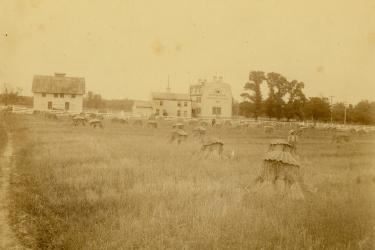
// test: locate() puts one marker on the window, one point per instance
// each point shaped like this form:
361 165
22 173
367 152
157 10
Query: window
165 113
178 104
178 113
49 105
216 110
55 95
161 103
198 111
185 104
73 96
157 112
66 105
61 95
185 113
199 99
43 94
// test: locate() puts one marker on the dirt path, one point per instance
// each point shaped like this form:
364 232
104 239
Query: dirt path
7 238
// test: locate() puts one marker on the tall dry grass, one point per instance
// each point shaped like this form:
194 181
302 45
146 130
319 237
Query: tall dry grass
125 188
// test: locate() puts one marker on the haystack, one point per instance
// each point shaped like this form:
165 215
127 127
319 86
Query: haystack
280 172
96 123
77 120
268 129
199 132
178 135
178 125
212 145
152 124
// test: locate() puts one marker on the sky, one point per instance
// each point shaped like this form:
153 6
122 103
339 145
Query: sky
128 48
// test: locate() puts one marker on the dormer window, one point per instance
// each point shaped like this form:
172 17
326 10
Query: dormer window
43 94
73 96
61 95
55 95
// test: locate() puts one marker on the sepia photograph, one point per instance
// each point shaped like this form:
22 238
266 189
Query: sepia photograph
187 124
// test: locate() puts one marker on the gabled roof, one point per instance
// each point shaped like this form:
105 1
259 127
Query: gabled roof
142 104
58 83
170 96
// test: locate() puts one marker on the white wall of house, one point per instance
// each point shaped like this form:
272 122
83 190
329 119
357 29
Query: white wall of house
181 108
213 99
41 102
142 111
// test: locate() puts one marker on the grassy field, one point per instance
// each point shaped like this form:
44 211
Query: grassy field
124 187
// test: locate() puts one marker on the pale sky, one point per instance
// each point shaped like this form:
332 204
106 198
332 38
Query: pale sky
127 48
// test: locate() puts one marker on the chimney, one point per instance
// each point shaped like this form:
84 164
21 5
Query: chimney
60 74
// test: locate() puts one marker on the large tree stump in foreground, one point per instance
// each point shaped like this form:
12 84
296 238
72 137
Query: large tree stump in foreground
280 172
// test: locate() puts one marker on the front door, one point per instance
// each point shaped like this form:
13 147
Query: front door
49 105
66 105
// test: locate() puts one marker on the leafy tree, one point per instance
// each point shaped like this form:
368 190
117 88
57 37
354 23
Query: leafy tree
296 101
364 112
246 109
317 108
9 95
253 93
277 85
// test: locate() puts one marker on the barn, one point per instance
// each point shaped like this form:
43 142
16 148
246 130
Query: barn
58 92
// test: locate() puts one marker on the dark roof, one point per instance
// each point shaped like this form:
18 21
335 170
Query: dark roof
170 96
58 83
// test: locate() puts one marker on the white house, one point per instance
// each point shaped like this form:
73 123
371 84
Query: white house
211 98
142 108
58 92
171 104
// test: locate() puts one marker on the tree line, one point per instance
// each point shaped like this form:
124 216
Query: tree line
286 100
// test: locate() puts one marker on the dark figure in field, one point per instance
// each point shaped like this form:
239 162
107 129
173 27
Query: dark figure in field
213 122
178 136
96 123
292 140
